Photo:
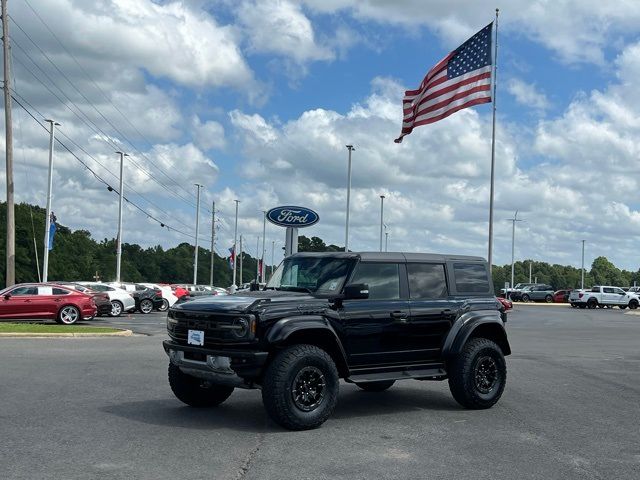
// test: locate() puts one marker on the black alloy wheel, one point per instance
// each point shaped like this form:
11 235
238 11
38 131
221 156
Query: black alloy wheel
485 374
633 304
308 389
592 303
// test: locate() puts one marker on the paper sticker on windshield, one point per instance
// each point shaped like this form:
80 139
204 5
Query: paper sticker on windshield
195 337
333 285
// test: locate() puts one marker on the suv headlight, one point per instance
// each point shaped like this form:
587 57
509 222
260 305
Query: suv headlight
241 327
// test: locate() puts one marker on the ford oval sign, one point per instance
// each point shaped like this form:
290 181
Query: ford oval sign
292 217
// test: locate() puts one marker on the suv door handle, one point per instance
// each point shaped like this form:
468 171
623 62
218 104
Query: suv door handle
400 317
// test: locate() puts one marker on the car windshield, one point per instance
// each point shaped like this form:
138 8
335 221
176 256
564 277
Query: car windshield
316 275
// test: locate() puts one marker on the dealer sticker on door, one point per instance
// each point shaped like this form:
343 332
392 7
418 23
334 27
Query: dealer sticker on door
195 337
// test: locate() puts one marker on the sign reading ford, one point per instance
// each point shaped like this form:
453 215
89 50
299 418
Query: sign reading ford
292 217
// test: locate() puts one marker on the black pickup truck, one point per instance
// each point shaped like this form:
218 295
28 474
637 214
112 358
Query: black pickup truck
368 318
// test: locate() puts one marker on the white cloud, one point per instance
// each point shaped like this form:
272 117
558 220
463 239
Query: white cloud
527 94
209 134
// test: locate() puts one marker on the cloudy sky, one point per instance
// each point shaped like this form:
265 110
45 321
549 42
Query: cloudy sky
256 100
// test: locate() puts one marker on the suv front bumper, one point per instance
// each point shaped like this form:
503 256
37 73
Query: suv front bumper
237 368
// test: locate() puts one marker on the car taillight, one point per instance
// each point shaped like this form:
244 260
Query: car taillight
580 295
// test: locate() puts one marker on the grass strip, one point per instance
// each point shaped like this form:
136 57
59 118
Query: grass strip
49 328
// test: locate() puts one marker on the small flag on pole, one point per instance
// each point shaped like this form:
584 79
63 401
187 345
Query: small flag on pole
52 229
232 257
460 80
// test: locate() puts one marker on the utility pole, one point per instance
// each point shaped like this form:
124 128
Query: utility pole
195 255
10 274
346 233
582 269
386 241
273 252
235 249
381 218
47 220
264 233
119 240
258 260
213 236
240 259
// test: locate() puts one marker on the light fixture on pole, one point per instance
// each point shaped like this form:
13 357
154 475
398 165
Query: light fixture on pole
513 243
346 233
381 218
195 255
235 250
582 268
119 239
47 220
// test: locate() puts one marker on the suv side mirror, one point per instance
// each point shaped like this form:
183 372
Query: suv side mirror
356 291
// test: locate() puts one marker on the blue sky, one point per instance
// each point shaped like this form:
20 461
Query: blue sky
257 98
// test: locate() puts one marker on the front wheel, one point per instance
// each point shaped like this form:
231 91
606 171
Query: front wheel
477 377
633 304
196 392
380 386
300 387
68 315
146 306
525 298
548 299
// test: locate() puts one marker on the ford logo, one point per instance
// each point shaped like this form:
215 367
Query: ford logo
292 216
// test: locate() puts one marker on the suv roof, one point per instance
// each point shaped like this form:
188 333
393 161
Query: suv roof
393 256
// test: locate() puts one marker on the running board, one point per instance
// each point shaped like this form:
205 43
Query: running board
416 373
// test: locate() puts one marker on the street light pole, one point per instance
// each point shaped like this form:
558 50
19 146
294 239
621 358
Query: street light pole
213 243
346 233
119 239
582 269
195 255
513 245
235 250
47 220
10 248
264 232
381 218
386 241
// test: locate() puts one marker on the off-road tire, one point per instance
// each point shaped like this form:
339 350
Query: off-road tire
278 387
463 370
196 392
146 306
380 386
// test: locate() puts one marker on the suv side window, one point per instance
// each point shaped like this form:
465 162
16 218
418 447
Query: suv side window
426 280
383 280
607 290
471 278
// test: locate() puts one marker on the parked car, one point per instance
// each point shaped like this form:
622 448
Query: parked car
169 298
147 299
101 299
121 300
509 292
604 296
46 302
535 293
561 296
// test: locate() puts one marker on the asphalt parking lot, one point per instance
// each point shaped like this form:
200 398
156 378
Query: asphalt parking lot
101 408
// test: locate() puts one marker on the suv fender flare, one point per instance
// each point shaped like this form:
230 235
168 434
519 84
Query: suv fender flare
469 322
314 325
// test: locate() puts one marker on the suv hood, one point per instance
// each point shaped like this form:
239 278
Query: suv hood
242 302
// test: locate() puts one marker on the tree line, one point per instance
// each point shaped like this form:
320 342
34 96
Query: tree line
77 256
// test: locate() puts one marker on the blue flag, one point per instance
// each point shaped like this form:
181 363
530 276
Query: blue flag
52 232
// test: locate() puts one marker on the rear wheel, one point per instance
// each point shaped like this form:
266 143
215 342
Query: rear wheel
300 387
380 386
68 315
622 307
146 306
194 391
164 306
525 298
477 377
116 308
548 299
592 303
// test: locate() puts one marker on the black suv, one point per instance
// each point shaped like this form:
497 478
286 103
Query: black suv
369 318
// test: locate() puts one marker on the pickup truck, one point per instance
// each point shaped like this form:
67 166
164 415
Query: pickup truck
604 296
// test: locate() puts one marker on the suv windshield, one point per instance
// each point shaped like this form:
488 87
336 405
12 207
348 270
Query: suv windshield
317 275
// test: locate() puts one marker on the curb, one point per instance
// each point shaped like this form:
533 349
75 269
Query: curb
121 333
538 304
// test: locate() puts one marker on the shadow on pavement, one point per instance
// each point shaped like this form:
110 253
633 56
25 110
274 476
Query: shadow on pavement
249 415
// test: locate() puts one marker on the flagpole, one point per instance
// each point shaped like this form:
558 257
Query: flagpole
493 145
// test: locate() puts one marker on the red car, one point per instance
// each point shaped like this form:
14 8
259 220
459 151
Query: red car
48 302
561 296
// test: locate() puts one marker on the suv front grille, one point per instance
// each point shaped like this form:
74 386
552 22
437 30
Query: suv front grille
217 328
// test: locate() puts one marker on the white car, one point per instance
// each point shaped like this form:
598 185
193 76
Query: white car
121 301
167 294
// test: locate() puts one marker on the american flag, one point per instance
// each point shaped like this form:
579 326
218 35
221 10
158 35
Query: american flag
460 80
232 257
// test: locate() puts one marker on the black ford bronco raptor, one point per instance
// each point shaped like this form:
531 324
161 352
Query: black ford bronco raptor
369 318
